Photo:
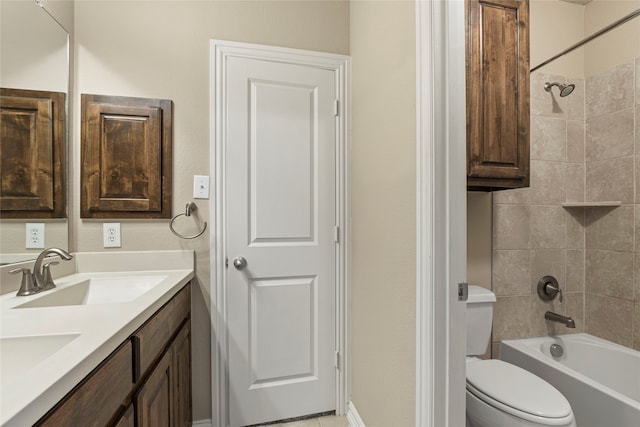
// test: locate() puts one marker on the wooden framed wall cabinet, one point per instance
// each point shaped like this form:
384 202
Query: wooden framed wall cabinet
497 71
32 154
126 157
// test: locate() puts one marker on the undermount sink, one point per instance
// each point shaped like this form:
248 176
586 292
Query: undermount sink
104 290
19 354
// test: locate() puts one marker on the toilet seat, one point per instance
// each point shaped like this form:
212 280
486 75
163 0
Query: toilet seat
518 392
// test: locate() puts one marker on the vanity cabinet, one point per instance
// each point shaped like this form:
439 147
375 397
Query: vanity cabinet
497 80
145 382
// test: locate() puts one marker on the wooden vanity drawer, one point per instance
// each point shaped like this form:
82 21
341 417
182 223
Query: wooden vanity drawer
96 400
150 340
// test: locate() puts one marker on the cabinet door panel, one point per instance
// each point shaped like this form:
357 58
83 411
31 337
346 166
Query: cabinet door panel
182 376
97 400
153 402
498 93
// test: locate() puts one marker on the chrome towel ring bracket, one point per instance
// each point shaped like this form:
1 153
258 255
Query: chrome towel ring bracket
191 207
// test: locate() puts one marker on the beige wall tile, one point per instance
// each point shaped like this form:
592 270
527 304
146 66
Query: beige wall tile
609 318
575 182
575 141
495 350
547 183
636 277
511 318
548 227
548 138
511 272
610 136
636 326
574 308
575 228
547 104
610 228
575 271
547 262
511 227
610 180
609 273
541 326
518 196
609 91
575 101
637 227
637 81
636 161
638 127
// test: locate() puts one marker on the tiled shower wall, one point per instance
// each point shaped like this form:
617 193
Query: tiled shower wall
585 146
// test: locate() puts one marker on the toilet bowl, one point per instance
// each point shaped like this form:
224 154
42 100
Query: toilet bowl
499 394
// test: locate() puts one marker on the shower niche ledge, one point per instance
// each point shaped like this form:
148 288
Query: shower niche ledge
605 204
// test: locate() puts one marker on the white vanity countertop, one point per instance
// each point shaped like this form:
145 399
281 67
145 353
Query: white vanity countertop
100 328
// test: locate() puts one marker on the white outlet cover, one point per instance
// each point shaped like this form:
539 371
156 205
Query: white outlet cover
111 235
200 186
34 235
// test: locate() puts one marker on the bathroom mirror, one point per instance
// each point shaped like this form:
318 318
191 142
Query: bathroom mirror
34 55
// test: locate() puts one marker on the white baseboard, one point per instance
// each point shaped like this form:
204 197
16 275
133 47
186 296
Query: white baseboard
202 423
353 417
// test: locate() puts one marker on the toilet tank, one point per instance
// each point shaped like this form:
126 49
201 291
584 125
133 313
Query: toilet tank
479 319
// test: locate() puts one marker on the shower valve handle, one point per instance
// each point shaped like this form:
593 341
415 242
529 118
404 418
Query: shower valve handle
548 288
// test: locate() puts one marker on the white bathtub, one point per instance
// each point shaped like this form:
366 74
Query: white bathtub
600 379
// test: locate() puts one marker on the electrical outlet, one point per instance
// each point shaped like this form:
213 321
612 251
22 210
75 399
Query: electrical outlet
35 235
200 187
111 233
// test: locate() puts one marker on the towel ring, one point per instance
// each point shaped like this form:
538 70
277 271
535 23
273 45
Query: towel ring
191 206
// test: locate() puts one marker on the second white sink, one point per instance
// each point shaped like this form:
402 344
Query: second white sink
108 290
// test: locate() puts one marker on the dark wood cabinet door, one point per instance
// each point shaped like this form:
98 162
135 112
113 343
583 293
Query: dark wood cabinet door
32 154
497 65
182 376
127 419
126 157
98 399
154 400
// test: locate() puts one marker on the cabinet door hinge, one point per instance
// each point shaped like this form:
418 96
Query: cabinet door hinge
336 108
337 360
336 235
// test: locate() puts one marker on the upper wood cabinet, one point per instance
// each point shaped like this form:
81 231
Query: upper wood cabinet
32 154
497 70
126 157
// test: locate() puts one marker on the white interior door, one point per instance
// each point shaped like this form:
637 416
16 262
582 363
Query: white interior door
280 209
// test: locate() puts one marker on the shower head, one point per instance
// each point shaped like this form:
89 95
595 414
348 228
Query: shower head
565 89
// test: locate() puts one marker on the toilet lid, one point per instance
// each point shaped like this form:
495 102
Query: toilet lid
516 388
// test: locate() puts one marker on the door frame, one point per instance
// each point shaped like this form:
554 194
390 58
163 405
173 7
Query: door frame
220 51
441 212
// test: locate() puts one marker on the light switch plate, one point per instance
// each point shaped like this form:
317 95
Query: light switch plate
200 186
111 233
35 235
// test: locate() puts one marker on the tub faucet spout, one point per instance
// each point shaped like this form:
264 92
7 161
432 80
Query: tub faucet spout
555 317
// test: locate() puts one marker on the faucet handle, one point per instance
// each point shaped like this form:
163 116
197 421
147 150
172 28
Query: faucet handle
548 288
46 274
26 286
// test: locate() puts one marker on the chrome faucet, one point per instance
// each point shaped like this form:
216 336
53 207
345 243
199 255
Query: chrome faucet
555 317
42 275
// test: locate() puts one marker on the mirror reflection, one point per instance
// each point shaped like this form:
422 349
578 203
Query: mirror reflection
34 50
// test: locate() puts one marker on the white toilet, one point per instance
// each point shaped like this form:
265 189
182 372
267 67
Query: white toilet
500 394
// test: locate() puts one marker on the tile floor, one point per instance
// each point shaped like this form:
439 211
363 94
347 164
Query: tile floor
326 421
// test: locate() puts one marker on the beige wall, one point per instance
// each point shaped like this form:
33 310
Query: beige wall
555 25
160 49
383 176
617 46
479 240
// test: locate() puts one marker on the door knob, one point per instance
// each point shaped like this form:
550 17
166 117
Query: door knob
240 263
